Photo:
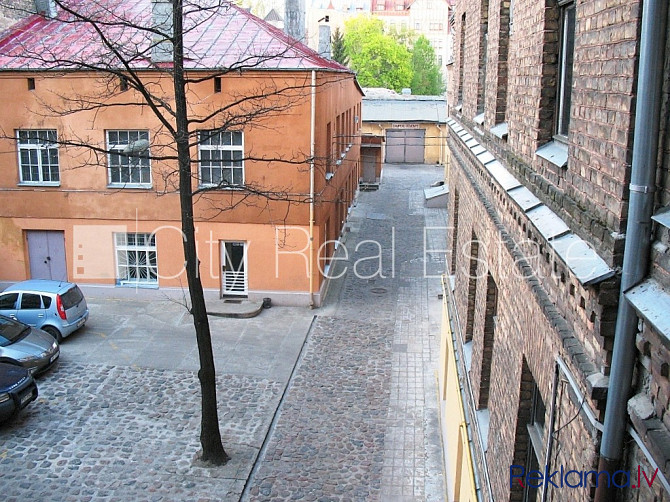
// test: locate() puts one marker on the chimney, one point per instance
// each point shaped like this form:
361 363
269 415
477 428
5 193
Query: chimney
161 18
294 19
324 40
46 8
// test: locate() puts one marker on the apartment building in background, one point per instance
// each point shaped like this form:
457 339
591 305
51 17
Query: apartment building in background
423 17
555 348
92 196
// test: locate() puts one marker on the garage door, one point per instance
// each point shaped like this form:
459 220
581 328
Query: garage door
405 146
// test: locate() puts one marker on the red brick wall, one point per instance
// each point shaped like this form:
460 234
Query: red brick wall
543 310
529 324
591 193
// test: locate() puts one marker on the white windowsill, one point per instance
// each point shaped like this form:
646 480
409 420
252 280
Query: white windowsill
133 186
39 184
555 152
500 130
139 285
214 186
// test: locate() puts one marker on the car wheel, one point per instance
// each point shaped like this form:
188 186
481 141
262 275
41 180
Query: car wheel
53 332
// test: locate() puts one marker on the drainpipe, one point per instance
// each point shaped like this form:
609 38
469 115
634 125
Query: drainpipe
550 436
441 154
638 232
311 191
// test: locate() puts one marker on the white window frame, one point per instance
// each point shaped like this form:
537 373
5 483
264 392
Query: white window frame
141 269
36 143
118 149
214 144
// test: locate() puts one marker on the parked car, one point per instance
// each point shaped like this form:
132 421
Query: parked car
17 389
57 307
31 347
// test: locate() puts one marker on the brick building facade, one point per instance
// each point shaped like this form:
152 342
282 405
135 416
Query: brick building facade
542 103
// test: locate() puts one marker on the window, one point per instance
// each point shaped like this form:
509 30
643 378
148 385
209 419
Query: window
566 53
329 148
38 156
31 84
488 341
8 300
221 158
136 261
461 64
483 59
30 301
128 158
535 454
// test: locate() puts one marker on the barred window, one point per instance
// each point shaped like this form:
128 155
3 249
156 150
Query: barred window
136 258
221 158
128 158
38 156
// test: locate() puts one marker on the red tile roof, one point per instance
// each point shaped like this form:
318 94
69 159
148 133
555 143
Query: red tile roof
225 37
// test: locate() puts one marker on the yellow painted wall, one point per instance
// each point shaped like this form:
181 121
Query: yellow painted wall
435 138
459 468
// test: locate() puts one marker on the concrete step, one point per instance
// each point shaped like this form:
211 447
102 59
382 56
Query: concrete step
239 309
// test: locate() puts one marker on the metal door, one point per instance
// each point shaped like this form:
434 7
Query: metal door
368 159
405 146
233 268
46 252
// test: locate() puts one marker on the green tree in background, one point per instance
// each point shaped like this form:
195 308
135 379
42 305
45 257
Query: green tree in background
427 79
378 58
339 51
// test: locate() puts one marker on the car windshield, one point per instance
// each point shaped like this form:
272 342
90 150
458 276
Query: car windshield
11 331
72 297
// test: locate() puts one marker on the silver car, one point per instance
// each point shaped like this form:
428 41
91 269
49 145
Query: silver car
34 349
57 307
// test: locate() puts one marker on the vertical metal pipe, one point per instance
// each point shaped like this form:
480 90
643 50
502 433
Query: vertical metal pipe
311 188
638 231
550 436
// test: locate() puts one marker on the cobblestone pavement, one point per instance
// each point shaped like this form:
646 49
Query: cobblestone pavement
359 420
118 417
354 420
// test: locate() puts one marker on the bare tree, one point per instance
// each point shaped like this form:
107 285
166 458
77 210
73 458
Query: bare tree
139 62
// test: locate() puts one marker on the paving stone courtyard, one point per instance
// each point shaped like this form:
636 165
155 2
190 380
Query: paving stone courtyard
333 404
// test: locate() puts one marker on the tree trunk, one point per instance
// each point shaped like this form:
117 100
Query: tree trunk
210 436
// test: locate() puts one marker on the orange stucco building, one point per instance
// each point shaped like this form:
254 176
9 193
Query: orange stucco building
89 193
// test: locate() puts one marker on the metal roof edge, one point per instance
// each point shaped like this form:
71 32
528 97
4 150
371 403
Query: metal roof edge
652 302
577 254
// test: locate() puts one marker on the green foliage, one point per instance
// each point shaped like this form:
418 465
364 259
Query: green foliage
427 79
378 58
339 51
404 36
